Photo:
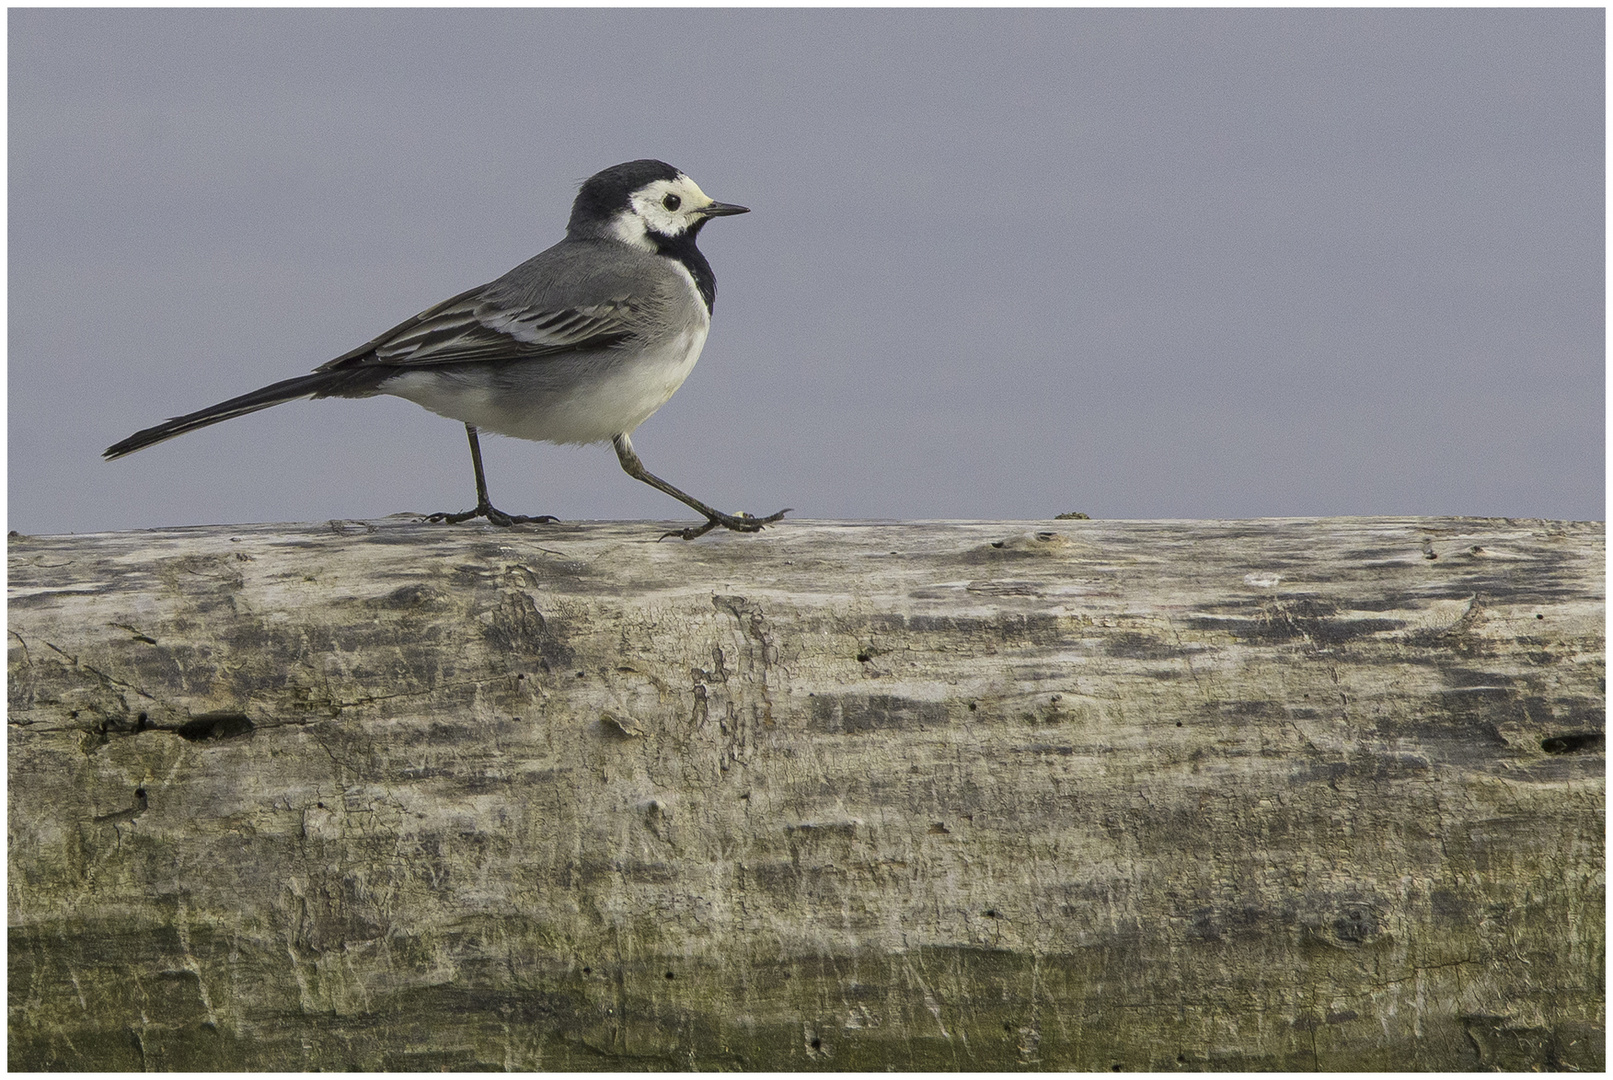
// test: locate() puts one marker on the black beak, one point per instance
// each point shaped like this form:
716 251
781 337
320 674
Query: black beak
723 209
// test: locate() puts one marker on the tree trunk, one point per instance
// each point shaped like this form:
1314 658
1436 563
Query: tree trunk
1282 794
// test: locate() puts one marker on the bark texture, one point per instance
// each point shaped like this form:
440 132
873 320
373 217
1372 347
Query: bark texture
1282 794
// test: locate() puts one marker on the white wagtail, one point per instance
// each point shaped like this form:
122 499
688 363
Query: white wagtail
577 345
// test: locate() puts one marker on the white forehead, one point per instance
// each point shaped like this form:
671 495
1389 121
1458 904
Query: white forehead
680 185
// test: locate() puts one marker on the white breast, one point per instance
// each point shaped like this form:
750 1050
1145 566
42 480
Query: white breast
600 408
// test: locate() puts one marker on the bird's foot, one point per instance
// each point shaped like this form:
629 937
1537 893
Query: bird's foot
740 522
491 513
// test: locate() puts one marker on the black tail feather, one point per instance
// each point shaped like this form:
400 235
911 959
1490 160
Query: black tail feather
318 384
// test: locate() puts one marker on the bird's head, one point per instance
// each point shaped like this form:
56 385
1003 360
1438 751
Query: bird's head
644 203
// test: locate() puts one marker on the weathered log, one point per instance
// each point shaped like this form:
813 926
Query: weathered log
1265 794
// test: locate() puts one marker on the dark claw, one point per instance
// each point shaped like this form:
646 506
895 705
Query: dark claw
741 522
493 514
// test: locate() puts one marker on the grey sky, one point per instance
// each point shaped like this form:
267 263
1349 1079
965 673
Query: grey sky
1000 264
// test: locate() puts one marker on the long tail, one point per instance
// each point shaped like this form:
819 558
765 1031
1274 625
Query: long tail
318 384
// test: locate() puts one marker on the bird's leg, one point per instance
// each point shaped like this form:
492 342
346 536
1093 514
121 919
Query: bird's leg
738 522
484 506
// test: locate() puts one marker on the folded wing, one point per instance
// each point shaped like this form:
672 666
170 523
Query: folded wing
479 326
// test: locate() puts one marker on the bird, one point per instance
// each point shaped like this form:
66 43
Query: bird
579 344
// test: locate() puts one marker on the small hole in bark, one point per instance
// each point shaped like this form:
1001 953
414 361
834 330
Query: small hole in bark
319 805
1568 744
670 975
582 674
991 913
998 543
862 658
1178 723
588 971
817 1044
205 728
973 706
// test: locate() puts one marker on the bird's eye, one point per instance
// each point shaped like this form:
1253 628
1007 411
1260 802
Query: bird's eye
671 202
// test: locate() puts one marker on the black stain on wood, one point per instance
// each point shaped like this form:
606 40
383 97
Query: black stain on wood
1131 645
1319 623
853 714
518 628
